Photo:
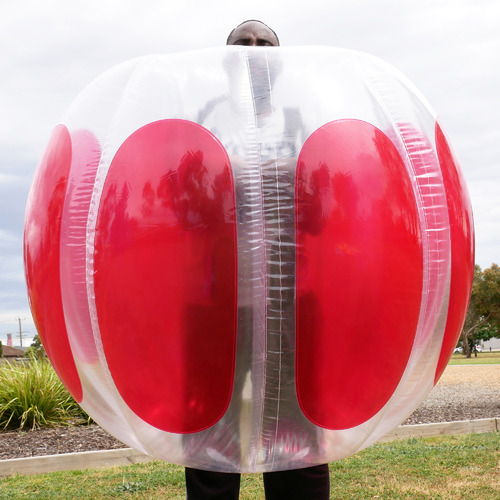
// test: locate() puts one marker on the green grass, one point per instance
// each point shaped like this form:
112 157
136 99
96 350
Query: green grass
32 396
456 467
483 358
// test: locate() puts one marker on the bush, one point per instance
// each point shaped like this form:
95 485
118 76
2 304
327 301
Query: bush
36 349
32 396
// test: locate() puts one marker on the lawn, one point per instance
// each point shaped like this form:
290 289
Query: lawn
483 358
445 467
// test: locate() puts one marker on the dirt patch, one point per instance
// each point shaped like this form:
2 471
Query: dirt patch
56 440
463 393
466 392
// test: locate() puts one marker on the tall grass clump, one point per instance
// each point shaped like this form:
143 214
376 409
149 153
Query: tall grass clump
32 396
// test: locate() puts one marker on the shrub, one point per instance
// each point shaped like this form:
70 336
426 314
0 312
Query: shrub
32 396
36 349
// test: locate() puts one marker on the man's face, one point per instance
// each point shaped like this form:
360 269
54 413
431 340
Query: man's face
253 34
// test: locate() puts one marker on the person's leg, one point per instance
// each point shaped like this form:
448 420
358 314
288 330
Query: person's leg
208 485
312 483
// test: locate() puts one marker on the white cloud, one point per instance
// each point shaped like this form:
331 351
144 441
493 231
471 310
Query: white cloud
51 50
7 238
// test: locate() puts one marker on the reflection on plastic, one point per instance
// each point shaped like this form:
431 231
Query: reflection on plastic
358 271
42 256
166 257
249 259
462 251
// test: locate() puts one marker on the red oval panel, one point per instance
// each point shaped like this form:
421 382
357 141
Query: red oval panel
462 248
165 275
359 273
42 233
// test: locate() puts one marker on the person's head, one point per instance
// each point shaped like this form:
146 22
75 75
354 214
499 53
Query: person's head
253 33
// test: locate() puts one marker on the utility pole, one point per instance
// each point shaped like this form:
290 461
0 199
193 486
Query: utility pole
21 331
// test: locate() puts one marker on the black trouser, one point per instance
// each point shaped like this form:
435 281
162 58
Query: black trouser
312 483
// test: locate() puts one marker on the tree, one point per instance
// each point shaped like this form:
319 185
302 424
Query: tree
36 348
482 321
1 349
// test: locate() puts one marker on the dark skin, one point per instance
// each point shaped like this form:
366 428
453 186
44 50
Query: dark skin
253 34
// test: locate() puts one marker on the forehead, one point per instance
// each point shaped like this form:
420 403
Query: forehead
253 29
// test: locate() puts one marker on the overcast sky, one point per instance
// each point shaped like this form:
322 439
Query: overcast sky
50 50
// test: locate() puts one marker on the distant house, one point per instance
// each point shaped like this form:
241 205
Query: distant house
11 354
489 345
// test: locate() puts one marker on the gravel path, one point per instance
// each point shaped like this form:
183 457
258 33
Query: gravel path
466 392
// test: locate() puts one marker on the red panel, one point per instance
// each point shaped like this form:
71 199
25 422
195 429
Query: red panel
359 273
42 234
165 275
462 248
